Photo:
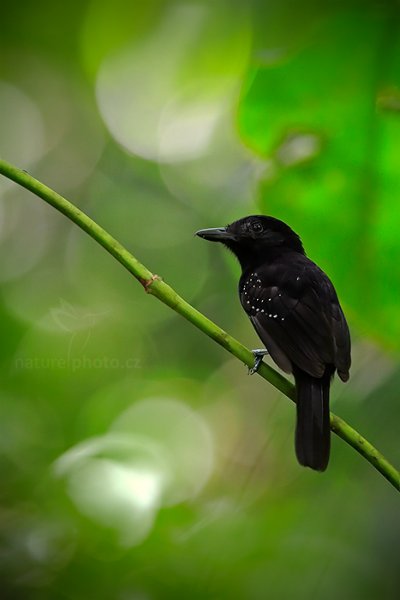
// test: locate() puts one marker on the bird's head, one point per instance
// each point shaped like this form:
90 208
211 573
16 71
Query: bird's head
255 238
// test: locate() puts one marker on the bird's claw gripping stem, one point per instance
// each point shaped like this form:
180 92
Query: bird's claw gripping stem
259 353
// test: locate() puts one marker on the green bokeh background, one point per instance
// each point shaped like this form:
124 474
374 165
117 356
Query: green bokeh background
158 119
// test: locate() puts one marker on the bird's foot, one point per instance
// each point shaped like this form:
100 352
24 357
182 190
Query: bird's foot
259 353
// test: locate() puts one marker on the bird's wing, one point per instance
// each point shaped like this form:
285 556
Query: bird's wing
290 307
341 336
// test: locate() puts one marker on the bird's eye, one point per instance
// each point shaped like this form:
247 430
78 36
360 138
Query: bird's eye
256 227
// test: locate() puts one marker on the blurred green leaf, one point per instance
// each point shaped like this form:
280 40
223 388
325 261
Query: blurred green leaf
332 169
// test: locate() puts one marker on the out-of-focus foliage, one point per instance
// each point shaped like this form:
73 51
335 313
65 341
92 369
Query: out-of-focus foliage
138 460
316 110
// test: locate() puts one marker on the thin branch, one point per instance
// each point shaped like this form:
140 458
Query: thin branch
156 287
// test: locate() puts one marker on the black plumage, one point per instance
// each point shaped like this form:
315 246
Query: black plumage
295 310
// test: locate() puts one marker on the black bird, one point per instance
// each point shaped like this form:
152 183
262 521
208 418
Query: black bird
295 310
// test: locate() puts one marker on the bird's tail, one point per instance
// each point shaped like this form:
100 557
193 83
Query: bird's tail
313 429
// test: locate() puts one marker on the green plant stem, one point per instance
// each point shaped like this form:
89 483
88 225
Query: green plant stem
156 287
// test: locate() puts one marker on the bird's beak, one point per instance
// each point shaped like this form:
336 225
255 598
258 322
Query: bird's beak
215 234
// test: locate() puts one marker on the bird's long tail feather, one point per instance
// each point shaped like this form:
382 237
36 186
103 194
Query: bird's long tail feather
313 428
